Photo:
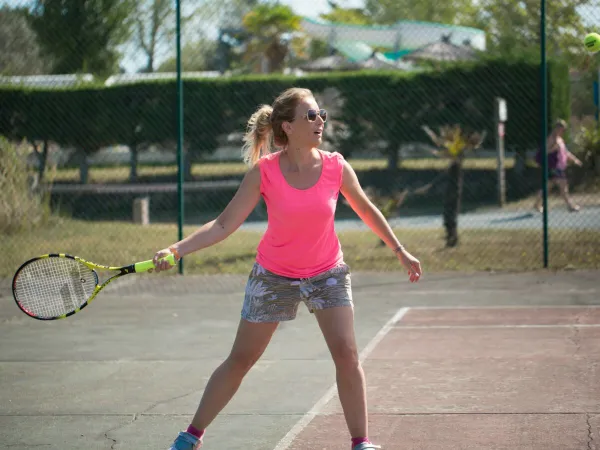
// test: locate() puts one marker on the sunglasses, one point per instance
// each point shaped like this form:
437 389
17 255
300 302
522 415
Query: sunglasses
311 115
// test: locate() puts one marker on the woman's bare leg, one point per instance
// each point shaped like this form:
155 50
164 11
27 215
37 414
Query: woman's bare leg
337 325
250 343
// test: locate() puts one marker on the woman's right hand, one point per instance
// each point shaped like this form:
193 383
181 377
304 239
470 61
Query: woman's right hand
161 265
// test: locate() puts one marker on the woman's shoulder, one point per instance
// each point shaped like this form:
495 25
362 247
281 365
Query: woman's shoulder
332 156
268 157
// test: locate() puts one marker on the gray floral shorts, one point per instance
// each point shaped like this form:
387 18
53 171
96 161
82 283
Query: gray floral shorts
274 298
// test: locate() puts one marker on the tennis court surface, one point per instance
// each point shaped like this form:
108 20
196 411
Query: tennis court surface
482 361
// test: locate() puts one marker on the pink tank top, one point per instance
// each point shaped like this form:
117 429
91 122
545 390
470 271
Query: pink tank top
562 160
300 241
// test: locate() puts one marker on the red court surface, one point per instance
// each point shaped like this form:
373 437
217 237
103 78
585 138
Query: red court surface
474 378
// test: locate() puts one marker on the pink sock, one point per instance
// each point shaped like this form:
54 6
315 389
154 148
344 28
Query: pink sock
195 432
360 440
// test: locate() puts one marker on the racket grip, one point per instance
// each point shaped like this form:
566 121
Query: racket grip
145 266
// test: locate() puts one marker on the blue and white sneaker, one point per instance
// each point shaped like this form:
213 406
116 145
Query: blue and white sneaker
186 441
366 446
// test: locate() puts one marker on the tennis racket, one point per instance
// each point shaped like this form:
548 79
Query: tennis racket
56 286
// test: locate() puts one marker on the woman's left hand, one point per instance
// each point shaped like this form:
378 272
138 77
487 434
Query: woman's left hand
411 264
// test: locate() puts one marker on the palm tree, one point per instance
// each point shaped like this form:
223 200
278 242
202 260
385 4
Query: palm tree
272 27
453 143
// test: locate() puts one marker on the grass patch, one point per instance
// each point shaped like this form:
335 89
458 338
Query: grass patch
119 243
120 174
20 208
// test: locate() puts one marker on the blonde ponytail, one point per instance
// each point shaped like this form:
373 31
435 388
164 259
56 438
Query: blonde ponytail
265 127
258 139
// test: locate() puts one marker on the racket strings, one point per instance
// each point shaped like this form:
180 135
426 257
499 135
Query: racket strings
52 287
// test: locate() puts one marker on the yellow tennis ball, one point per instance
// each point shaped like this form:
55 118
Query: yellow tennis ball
592 42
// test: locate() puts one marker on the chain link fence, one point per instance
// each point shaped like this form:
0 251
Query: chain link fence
89 134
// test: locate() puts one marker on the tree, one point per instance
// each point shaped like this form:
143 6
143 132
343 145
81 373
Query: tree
20 52
271 27
513 27
454 143
155 21
83 36
155 26
195 57
21 207
225 13
455 12
354 16
226 16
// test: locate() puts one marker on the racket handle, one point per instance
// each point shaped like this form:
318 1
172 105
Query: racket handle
145 266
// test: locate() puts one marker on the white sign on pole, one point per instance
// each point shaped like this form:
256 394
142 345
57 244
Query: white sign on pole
502 111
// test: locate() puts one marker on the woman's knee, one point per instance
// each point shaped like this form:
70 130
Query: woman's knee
345 354
242 362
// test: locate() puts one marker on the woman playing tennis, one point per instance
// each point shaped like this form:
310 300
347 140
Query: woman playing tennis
299 258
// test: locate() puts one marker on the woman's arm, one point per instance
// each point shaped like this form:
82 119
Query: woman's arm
365 209
236 212
570 156
372 217
574 158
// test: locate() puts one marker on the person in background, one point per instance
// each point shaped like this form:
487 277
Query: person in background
558 159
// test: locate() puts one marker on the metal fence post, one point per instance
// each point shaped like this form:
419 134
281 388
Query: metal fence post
180 162
544 85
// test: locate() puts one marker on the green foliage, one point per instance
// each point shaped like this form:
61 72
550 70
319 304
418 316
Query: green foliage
267 24
587 139
511 27
83 36
455 12
19 50
317 49
464 93
559 89
196 56
154 24
371 106
354 16
514 27
20 208
453 143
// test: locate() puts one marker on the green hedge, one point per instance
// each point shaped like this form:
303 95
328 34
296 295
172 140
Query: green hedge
376 105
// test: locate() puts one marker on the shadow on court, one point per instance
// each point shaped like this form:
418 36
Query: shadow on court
481 361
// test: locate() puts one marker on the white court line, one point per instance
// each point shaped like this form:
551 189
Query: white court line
433 308
478 327
287 440
488 291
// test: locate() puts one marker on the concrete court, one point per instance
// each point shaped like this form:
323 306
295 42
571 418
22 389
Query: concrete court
518 370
